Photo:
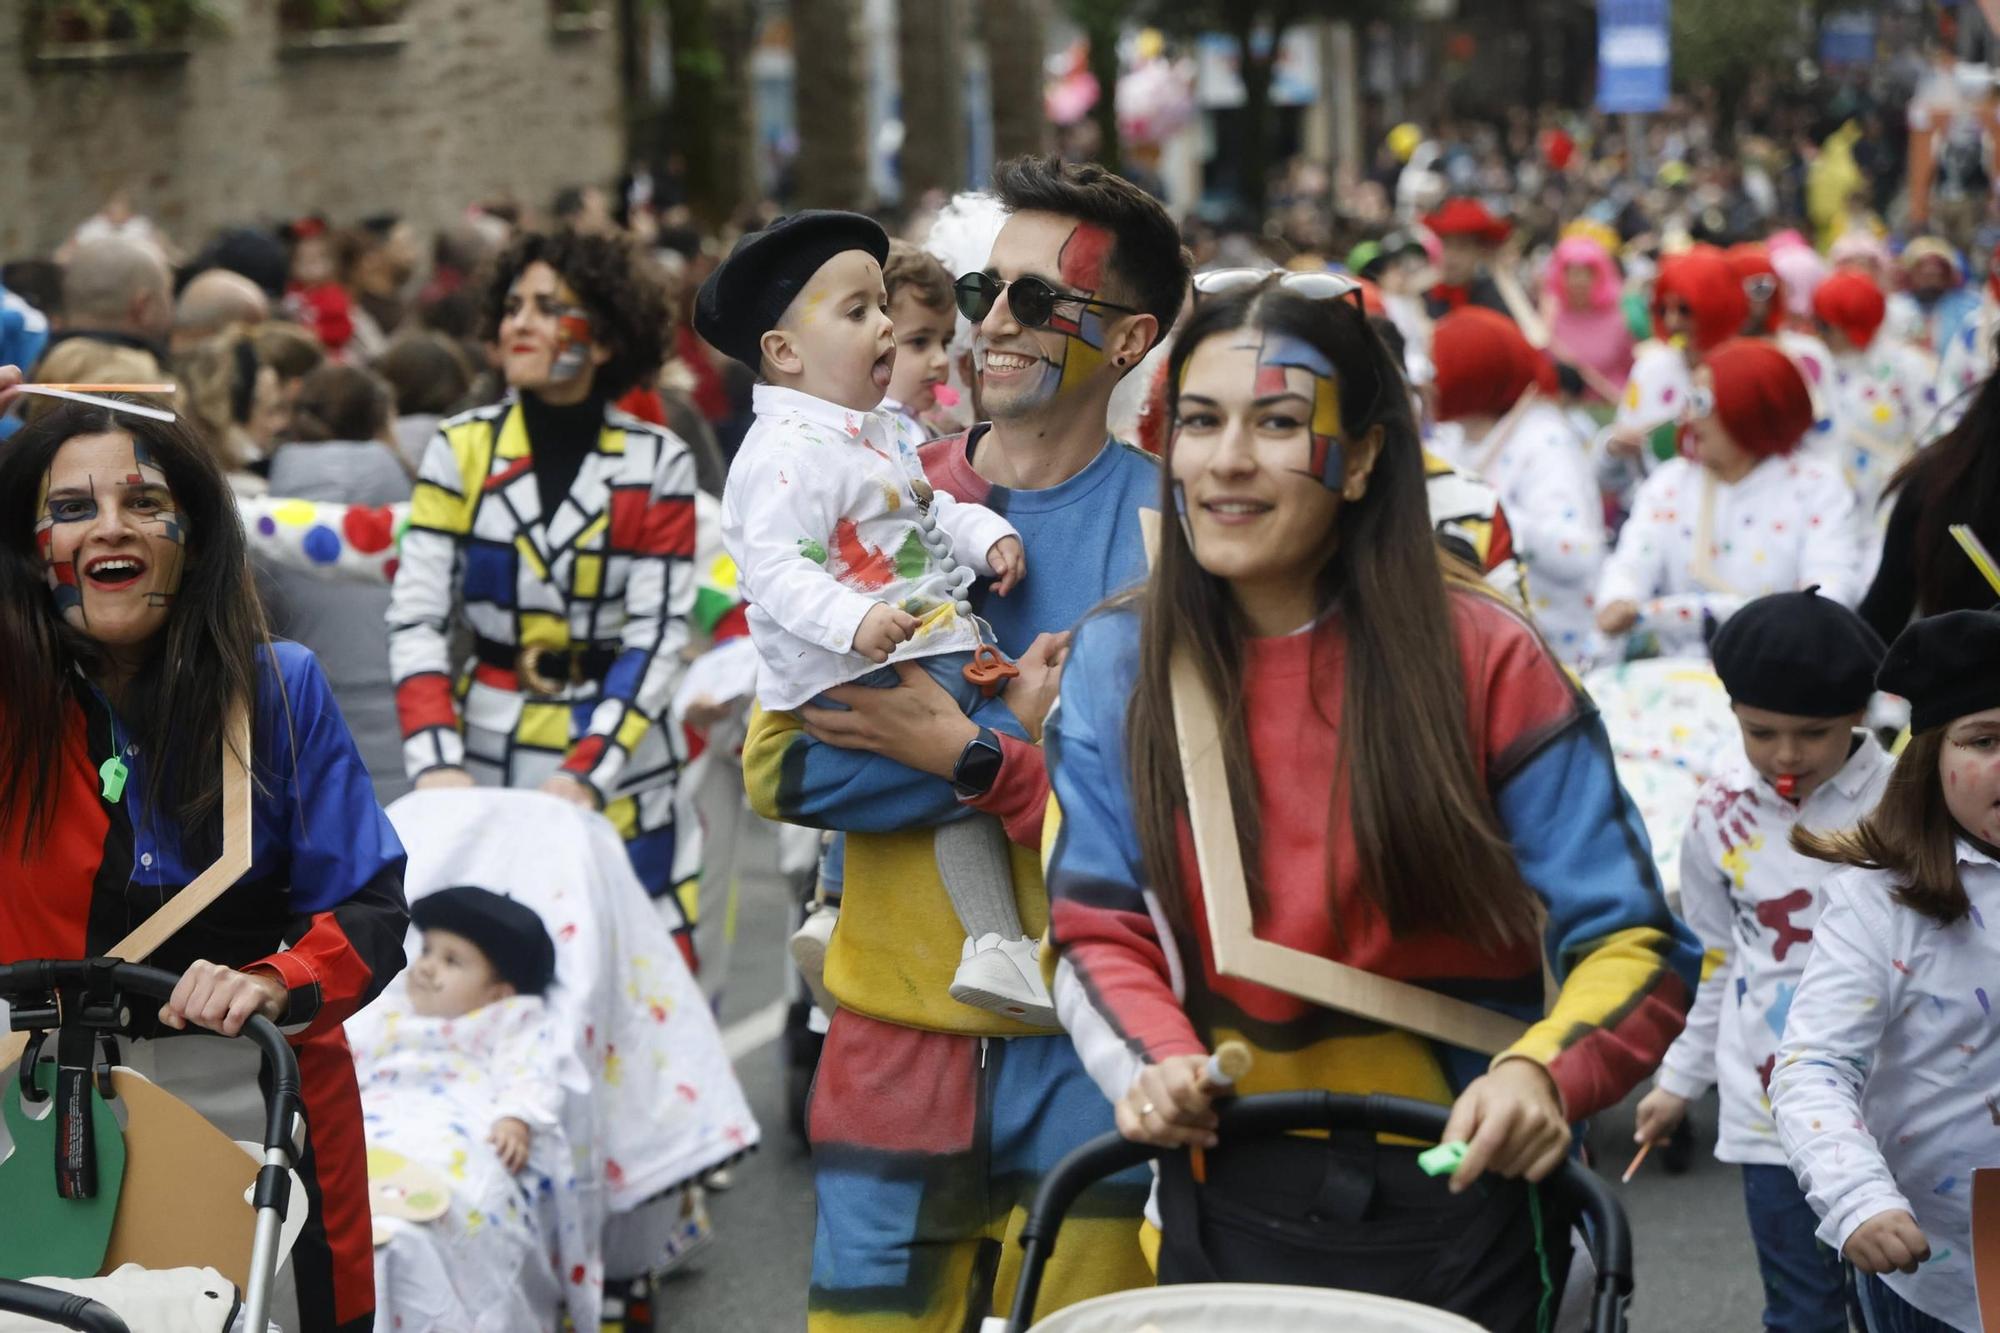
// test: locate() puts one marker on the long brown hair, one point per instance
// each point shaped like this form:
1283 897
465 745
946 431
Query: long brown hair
202 661
1910 834
1432 854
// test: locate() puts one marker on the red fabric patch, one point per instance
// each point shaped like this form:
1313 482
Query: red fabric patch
584 755
369 529
641 525
508 473
423 702
497 677
1081 263
333 1109
895 1089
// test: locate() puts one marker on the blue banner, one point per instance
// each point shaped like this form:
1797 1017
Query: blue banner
1634 55
1847 39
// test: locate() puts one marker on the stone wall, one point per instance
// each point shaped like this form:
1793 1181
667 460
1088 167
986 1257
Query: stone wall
482 97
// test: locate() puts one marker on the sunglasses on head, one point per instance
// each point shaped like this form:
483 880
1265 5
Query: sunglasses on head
1033 301
1312 286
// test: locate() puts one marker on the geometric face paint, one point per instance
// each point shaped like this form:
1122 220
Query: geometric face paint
573 344
1282 353
111 538
1080 264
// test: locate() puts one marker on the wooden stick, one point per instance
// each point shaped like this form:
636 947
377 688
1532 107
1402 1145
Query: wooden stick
1633 1169
1230 1062
114 388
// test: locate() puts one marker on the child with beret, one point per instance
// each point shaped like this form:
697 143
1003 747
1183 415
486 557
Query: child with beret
1799 669
1742 513
848 558
1888 1078
480 948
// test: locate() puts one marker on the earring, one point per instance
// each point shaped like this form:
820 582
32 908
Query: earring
1121 360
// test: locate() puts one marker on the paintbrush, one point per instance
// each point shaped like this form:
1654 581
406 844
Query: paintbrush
1230 1062
1633 1169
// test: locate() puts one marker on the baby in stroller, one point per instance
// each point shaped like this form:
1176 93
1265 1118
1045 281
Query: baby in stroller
482 950
463 1085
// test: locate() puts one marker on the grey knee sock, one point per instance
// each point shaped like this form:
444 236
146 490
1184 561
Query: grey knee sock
979 875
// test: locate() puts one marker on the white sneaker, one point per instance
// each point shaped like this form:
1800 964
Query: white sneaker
1003 976
809 945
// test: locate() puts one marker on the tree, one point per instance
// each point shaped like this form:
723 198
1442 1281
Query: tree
1723 43
830 98
1257 28
930 55
1102 21
1013 32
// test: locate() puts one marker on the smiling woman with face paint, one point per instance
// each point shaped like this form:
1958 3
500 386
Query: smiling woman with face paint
129 630
558 531
1415 782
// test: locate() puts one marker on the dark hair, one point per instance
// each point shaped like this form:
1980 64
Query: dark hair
1955 480
1147 259
203 661
620 287
567 203
288 349
919 272
427 372
1432 854
1909 833
339 402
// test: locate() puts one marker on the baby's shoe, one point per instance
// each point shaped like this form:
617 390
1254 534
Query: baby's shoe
809 945
1004 977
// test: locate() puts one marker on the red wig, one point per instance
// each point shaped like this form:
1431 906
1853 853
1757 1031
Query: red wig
1484 364
1702 280
1760 397
1751 262
1851 302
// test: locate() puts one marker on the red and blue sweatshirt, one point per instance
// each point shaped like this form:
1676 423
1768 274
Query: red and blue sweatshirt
1133 990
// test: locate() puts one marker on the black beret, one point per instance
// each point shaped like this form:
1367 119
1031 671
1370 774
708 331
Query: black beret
747 294
1946 666
510 934
1798 653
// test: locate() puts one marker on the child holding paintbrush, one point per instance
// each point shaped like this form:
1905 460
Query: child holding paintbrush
1799 669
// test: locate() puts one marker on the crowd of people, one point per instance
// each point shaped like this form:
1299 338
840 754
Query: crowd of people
940 542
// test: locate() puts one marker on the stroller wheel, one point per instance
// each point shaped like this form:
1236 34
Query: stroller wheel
801 1047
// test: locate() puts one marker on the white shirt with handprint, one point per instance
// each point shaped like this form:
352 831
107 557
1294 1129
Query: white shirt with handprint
826 513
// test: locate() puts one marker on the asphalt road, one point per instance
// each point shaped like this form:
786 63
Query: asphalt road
1695 1268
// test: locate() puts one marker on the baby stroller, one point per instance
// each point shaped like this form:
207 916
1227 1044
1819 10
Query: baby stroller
87 1004
1240 1308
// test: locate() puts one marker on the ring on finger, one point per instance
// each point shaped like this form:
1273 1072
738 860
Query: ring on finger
1147 1109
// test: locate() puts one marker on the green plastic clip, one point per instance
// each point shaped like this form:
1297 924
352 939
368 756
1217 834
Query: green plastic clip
1443 1159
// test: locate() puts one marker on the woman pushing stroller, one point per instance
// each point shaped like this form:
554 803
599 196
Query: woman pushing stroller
1475 819
129 632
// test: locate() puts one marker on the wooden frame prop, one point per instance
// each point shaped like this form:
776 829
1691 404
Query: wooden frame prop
1239 952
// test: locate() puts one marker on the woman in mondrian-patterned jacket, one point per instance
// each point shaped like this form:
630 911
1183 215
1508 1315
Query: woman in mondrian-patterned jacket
557 532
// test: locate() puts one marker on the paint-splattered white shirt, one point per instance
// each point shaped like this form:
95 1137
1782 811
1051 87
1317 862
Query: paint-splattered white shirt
823 517
1887 1090
1542 471
1788 524
1754 902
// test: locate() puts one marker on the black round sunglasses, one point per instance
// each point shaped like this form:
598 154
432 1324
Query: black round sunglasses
1033 301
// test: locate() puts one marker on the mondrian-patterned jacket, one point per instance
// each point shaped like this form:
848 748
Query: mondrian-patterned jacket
592 599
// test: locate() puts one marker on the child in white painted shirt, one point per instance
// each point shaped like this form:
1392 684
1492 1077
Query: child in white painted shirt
1889 1074
1799 669
849 560
1745 515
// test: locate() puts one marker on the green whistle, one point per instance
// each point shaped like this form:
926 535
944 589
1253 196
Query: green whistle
1441 1160
113 774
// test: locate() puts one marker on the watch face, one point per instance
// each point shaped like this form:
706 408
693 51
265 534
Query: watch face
978 767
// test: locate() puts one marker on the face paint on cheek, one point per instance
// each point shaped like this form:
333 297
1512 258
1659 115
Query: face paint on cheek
573 344
1325 462
1080 264
59 557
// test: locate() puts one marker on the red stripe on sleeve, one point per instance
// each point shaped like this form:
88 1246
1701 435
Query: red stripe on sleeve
424 701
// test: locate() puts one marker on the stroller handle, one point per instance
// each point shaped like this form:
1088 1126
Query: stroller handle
45 974
59 1308
1609 1237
